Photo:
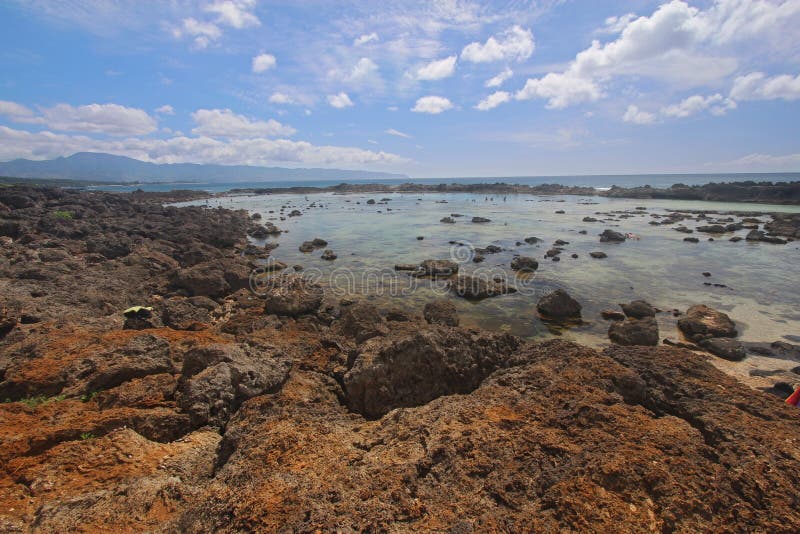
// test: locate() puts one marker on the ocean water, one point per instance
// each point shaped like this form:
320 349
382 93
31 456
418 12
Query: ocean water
761 279
596 181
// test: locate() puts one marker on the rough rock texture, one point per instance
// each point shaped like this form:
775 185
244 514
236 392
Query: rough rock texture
630 440
478 287
610 236
412 368
702 321
642 331
435 268
441 311
293 295
727 348
361 321
216 379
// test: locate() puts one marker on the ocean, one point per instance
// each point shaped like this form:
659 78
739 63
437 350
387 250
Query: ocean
597 181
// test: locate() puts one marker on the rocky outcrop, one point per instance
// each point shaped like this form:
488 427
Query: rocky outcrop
438 268
479 287
413 368
610 236
638 309
216 379
361 321
292 295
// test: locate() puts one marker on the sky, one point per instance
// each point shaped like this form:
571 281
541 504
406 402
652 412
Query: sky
442 88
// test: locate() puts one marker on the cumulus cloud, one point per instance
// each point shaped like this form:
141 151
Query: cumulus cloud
204 33
758 86
676 44
180 149
616 24
364 39
109 119
560 90
437 70
515 43
263 62
166 109
364 69
227 124
14 110
432 104
500 79
717 104
397 133
235 13
636 116
340 100
493 100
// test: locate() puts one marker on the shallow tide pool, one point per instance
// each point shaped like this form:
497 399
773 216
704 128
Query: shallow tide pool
762 279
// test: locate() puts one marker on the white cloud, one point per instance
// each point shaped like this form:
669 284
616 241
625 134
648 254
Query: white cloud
235 13
111 119
227 124
263 62
204 33
560 90
366 38
340 100
362 70
758 86
180 149
397 133
280 98
437 70
515 43
500 79
636 116
677 43
493 100
166 109
14 110
432 104
617 24
694 104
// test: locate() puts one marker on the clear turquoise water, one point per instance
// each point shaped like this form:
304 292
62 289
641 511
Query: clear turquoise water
763 279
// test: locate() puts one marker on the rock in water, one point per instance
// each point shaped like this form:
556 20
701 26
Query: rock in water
598 255
726 348
478 287
441 311
559 305
437 268
634 332
328 255
638 309
524 264
481 220
610 236
701 321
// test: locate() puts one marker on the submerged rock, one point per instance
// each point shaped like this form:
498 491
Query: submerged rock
524 264
437 268
598 255
479 287
441 311
559 305
638 309
481 220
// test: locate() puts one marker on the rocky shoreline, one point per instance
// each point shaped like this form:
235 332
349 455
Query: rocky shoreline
758 192
147 388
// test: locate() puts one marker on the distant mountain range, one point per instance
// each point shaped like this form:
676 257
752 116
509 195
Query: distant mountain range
100 167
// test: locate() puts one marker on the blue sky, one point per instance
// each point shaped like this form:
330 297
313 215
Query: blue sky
430 89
